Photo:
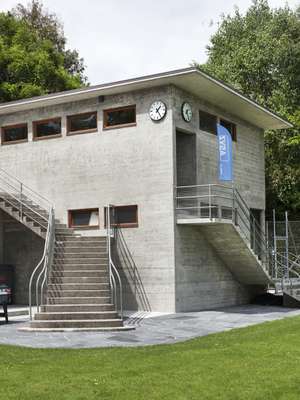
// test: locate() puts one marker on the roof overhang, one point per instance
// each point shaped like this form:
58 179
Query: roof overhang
191 80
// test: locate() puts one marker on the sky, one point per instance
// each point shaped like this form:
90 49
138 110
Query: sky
121 39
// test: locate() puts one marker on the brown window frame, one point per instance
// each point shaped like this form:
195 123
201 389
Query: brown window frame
34 128
234 132
105 112
70 133
71 225
127 224
3 142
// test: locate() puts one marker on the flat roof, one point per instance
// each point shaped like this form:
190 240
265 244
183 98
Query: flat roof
189 79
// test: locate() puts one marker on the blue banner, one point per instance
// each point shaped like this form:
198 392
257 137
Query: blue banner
225 153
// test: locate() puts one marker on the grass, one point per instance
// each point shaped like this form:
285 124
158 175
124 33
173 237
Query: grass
258 362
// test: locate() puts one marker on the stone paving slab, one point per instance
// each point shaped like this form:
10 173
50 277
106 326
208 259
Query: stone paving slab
164 329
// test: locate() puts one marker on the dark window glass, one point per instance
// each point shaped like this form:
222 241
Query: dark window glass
14 133
123 216
47 128
208 122
119 116
84 218
231 127
82 122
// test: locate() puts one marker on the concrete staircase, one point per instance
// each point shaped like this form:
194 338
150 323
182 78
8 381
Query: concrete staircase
78 295
234 250
31 215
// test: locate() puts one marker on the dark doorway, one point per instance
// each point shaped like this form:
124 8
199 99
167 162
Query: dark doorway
185 159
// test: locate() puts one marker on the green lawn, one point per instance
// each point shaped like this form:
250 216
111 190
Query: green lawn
259 362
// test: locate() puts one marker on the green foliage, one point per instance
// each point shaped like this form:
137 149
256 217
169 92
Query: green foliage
259 54
33 58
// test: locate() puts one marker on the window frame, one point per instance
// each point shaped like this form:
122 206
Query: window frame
34 129
70 133
234 130
19 125
82 210
126 224
129 124
212 115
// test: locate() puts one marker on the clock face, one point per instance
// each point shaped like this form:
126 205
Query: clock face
157 110
187 112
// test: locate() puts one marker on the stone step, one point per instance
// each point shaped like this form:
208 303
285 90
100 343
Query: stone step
87 315
83 250
79 300
79 280
79 255
80 261
77 273
84 323
58 308
78 286
78 238
64 232
79 267
86 245
78 293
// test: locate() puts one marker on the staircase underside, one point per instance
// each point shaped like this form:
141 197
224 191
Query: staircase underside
233 250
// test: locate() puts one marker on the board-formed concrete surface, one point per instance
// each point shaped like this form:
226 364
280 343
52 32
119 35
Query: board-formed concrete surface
150 330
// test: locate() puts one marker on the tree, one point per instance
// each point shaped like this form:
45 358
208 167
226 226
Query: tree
259 54
33 55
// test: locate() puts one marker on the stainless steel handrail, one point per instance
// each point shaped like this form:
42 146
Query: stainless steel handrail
223 198
22 198
24 186
114 276
45 263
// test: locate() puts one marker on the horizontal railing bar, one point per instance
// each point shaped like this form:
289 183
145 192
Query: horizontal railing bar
203 196
24 186
205 185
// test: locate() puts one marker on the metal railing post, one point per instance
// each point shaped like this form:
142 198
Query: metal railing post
209 201
21 202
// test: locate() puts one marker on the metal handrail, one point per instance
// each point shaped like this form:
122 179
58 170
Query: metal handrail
114 276
45 263
22 197
24 186
188 198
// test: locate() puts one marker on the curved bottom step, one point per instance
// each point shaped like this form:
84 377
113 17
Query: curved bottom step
103 329
77 323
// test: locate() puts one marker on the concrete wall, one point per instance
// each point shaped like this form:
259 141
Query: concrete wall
202 280
22 249
132 165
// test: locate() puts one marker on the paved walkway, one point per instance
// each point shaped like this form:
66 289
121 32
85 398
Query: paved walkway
169 328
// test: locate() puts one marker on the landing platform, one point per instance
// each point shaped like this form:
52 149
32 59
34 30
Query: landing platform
157 329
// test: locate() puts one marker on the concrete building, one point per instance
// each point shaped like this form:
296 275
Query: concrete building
147 146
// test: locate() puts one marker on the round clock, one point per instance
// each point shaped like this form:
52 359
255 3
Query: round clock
187 112
157 110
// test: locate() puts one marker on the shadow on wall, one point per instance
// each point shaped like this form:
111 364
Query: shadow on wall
135 297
